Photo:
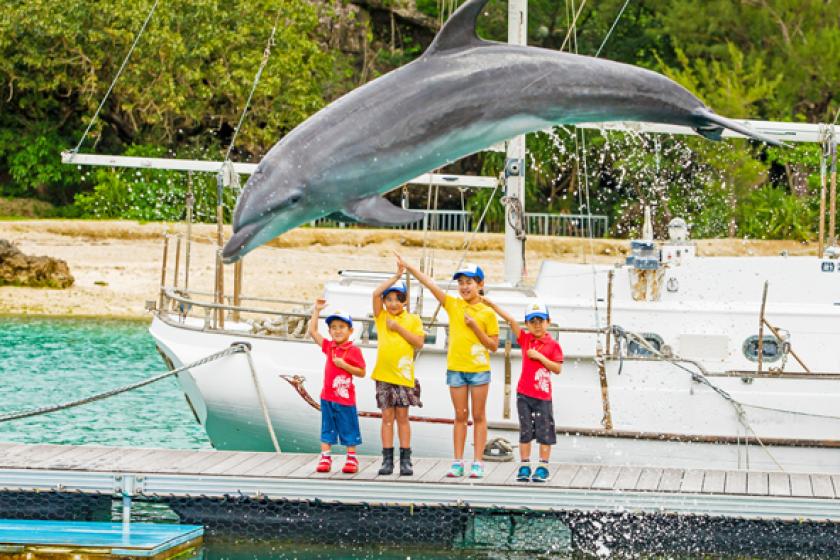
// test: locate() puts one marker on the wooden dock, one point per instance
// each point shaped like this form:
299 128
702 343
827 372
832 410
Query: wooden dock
586 488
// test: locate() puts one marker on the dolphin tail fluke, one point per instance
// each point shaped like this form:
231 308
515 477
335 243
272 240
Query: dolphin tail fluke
711 126
376 211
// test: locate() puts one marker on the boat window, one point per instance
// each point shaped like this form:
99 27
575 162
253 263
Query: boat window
635 348
771 349
504 333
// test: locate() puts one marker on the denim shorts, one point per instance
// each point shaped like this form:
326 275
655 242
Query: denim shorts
339 424
461 378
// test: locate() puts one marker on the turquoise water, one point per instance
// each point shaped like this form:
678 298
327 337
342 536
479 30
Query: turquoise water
48 361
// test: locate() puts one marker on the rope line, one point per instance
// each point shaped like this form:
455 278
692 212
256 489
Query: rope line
114 82
263 63
606 38
116 391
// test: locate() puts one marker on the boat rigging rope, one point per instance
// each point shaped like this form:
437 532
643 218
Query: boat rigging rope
124 389
265 57
114 81
606 38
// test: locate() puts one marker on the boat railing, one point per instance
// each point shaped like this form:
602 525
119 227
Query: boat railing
184 304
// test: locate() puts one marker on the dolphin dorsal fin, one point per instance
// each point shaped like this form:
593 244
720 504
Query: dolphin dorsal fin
459 29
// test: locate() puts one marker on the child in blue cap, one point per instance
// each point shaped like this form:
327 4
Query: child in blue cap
339 417
473 334
400 334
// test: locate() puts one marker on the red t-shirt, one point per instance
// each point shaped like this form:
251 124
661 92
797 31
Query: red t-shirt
338 384
535 380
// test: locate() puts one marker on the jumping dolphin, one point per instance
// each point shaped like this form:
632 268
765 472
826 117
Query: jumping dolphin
462 95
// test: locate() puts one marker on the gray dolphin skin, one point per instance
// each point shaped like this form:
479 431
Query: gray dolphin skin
462 95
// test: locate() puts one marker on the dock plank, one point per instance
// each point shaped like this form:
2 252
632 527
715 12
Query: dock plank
563 475
503 474
284 468
835 481
126 461
779 484
241 462
421 467
821 485
757 484
671 480
800 485
692 481
437 471
649 479
254 467
606 478
585 476
368 470
164 460
714 482
627 478
736 482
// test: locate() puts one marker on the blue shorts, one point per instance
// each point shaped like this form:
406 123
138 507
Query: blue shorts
461 378
339 424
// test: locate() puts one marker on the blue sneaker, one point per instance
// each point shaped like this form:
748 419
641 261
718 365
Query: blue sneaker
456 470
524 474
540 474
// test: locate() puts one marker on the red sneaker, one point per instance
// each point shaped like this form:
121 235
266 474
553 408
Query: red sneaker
351 465
324 464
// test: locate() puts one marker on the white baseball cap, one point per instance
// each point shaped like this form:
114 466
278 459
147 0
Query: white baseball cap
536 310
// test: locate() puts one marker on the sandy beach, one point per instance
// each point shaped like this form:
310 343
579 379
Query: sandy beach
117 264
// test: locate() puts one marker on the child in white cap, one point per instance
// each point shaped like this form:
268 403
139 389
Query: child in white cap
541 356
339 417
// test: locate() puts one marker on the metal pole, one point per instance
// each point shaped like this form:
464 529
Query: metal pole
761 327
832 210
190 203
237 288
220 241
508 375
177 260
163 269
823 175
515 181
609 309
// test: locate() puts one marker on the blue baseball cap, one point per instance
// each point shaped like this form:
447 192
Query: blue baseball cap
471 270
395 288
536 310
339 315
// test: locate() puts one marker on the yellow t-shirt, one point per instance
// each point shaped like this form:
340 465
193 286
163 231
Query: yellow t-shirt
466 352
395 356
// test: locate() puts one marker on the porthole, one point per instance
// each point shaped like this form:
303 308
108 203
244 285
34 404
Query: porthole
771 349
635 348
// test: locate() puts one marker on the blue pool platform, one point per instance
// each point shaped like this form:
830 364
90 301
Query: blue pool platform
110 539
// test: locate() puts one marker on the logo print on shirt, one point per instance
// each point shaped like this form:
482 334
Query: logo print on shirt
542 380
479 354
404 367
341 386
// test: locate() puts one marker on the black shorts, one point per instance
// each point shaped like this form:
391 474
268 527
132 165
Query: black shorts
536 420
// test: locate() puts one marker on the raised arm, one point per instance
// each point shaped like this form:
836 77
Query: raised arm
491 342
550 365
319 306
514 324
416 340
439 294
377 293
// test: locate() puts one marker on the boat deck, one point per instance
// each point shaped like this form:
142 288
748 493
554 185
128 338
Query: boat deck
116 471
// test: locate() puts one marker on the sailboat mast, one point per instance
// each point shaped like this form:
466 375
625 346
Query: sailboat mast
515 163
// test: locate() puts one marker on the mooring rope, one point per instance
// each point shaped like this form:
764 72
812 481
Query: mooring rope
114 81
124 389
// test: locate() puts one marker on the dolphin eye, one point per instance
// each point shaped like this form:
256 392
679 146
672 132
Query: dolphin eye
294 199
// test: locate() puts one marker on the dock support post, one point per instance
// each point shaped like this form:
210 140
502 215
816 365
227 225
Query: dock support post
127 493
506 403
609 310
823 184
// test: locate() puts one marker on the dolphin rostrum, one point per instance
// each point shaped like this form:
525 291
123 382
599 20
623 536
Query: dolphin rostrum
461 96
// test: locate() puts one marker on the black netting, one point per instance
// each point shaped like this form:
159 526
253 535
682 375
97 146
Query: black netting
458 529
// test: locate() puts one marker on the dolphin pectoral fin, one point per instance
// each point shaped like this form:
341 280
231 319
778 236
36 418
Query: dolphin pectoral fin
377 211
459 30
713 125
